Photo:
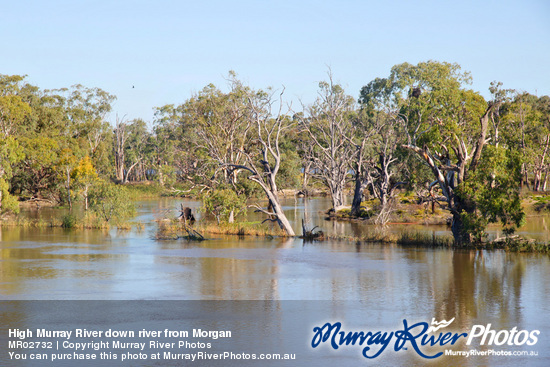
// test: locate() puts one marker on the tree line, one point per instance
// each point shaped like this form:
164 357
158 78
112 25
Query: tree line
419 129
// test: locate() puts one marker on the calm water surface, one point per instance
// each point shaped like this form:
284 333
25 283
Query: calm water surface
390 282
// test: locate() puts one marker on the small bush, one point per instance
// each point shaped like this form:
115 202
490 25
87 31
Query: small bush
542 203
110 201
222 202
69 221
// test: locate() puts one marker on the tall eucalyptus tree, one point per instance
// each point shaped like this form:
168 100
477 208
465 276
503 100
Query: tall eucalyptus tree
447 128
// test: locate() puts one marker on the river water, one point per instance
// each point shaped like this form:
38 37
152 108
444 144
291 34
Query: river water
388 283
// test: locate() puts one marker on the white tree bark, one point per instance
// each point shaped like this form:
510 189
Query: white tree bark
264 166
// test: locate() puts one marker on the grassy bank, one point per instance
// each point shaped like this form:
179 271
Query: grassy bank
69 221
145 190
174 229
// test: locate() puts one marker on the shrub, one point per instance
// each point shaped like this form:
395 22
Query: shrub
68 221
221 202
110 201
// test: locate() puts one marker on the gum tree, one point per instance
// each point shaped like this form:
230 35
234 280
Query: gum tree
527 119
239 132
13 112
447 128
378 162
262 153
10 154
171 143
329 125
221 123
87 110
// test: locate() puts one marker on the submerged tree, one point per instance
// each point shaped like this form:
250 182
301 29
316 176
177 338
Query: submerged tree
66 163
172 144
120 137
130 140
526 121
87 110
137 147
234 133
263 154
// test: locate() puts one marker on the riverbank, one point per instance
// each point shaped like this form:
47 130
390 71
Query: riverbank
413 224
176 230
69 221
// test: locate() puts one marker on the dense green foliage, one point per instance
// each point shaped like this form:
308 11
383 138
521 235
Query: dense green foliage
224 204
493 190
454 132
420 128
111 202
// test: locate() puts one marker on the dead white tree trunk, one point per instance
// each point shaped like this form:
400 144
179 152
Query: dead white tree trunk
264 165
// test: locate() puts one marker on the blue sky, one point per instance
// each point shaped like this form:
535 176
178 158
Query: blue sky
167 50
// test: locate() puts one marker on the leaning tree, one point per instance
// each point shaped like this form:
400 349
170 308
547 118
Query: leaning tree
263 154
241 132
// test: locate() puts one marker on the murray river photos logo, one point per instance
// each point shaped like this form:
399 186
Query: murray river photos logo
422 338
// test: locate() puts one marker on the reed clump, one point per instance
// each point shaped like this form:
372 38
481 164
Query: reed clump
416 239
30 223
241 229
124 226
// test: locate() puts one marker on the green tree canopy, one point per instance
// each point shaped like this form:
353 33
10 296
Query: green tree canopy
448 128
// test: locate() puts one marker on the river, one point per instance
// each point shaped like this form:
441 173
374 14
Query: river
391 282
